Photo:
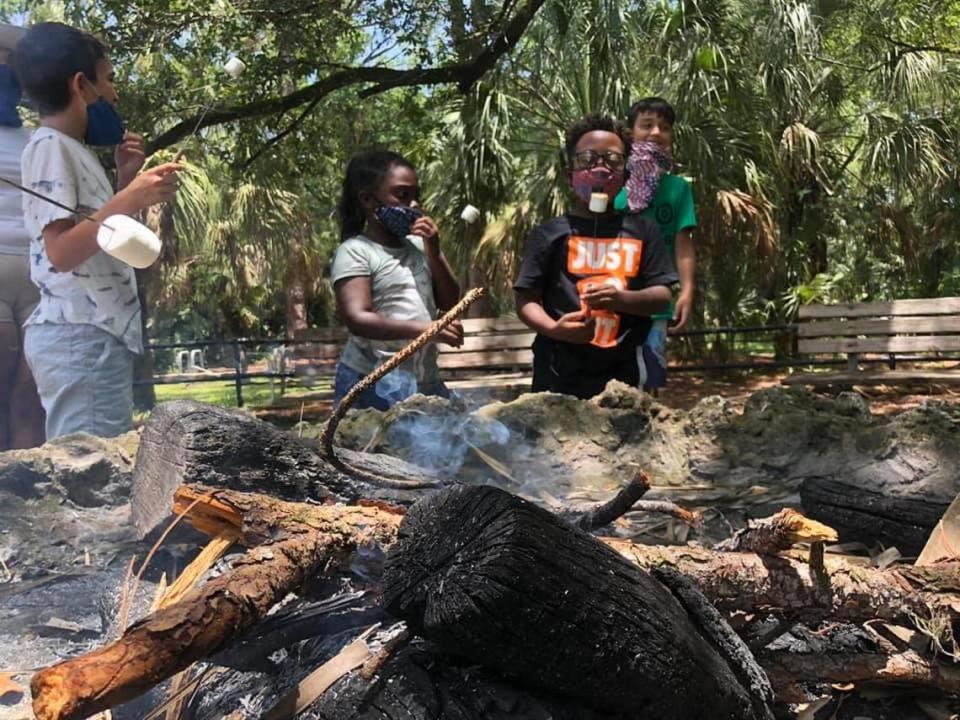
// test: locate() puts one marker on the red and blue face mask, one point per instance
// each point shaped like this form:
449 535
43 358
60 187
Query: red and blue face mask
596 180
397 219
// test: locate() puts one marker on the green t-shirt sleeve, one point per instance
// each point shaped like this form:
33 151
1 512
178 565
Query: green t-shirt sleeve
686 213
620 201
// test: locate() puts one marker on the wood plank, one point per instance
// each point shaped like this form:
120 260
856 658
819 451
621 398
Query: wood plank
887 326
516 341
494 381
897 344
921 306
508 323
322 334
888 377
486 359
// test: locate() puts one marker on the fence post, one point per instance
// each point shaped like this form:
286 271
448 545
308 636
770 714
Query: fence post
238 365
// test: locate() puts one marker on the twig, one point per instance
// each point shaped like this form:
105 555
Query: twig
330 429
372 666
617 506
690 517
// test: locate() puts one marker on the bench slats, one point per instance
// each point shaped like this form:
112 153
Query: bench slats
888 377
477 326
517 341
888 326
485 359
923 306
897 344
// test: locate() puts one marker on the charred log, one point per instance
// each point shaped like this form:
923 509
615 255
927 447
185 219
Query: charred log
185 443
868 516
492 578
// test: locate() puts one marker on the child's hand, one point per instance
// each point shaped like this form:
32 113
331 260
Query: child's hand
157 185
451 335
129 157
426 228
602 297
681 313
576 328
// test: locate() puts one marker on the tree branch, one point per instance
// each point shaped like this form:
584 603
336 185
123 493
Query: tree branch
465 74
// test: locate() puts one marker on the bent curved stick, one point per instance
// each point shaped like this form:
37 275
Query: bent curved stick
330 429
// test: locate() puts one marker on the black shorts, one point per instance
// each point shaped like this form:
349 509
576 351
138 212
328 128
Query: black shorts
581 370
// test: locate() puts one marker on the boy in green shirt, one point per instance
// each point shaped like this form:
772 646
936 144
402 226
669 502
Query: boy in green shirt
668 200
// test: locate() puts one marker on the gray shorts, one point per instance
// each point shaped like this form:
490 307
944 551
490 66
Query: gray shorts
18 296
85 379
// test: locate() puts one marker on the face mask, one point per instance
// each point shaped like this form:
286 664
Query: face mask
9 98
104 125
398 219
647 163
596 180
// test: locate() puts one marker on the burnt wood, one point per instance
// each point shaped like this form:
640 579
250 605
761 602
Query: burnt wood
190 443
498 581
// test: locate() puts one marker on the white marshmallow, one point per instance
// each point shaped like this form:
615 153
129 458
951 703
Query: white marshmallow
470 214
235 67
598 202
129 241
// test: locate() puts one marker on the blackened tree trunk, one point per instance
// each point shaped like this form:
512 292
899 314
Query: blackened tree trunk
496 580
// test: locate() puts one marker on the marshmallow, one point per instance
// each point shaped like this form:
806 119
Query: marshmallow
129 241
470 214
598 202
235 67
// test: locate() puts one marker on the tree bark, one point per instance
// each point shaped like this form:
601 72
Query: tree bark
295 542
169 640
494 579
789 588
188 443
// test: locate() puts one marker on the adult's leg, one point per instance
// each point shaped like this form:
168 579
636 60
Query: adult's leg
27 430
9 355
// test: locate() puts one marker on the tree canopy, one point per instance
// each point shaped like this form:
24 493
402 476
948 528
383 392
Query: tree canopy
820 137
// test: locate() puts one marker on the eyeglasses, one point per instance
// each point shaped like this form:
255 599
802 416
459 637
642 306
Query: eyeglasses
588 159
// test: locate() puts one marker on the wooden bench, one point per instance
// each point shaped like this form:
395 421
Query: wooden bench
924 328
495 357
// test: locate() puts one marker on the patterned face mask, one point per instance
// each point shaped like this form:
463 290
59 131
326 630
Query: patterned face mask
596 180
647 163
398 219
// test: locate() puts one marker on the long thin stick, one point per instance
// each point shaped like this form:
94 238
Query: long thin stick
329 430
53 202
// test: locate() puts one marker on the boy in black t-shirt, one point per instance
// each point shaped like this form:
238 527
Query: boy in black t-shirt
591 279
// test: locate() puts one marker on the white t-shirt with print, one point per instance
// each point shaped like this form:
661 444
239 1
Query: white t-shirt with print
101 291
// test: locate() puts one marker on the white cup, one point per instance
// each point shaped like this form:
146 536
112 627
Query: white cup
235 67
129 241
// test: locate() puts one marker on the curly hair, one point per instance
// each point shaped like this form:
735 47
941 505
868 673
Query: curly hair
590 123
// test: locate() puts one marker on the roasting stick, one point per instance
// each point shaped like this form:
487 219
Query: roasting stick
329 430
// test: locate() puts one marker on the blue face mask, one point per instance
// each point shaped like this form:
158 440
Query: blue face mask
398 219
9 98
104 125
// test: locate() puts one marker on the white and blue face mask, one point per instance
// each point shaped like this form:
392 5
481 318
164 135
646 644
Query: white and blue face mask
398 219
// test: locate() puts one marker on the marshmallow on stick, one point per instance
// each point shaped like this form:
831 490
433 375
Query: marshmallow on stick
599 202
470 214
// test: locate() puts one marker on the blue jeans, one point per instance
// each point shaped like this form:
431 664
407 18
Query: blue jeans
84 376
388 391
654 351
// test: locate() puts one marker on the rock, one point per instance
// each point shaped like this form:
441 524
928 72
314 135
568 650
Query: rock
86 470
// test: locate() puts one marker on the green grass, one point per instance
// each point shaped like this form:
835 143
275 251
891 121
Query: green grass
224 393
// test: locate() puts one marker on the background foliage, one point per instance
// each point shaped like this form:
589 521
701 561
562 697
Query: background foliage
820 137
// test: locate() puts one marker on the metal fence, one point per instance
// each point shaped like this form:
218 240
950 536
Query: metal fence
237 353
